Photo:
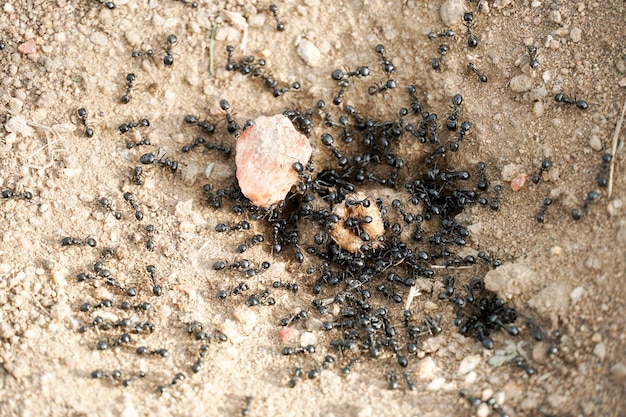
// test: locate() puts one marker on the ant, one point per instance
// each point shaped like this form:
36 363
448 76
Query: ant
149 158
193 4
131 145
562 98
208 128
130 79
546 164
390 84
231 124
279 25
125 127
339 75
131 202
150 242
532 52
436 62
70 241
107 203
136 177
415 104
388 67
82 113
147 52
495 203
342 87
481 77
604 167
446 33
168 59
457 99
108 4
12 194
544 208
156 288
592 196
468 18
297 373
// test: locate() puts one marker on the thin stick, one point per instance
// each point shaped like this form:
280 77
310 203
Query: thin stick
211 49
614 149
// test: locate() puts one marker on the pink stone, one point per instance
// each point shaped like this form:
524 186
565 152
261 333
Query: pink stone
266 152
28 47
518 182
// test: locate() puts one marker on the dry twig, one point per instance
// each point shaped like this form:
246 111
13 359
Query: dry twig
618 127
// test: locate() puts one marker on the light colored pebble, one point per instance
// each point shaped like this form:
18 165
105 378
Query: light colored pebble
209 169
309 53
19 125
426 368
471 377
538 109
468 364
98 38
535 3
615 207
618 371
600 350
577 294
553 299
256 20
520 83
482 410
436 384
576 35
433 344
596 337
595 143
511 279
622 82
183 208
540 352
510 171
308 338
451 12
555 17
621 235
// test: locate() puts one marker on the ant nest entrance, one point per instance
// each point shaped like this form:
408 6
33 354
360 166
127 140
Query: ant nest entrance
360 224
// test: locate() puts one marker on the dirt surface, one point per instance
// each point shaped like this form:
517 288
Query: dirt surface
568 275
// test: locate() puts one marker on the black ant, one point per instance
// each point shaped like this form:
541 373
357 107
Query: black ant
457 99
130 79
108 4
604 167
279 25
107 203
156 288
542 211
446 33
495 202
436 62
481 77
168 59
592 196
131 202
532 52
208 128
147 52
149 158
389 85
339 75
150 241
546 164
82 113
136 177
388 67
562 98
231 124
71 241
415 104
125 127
468 18
192 4
13 194
143 142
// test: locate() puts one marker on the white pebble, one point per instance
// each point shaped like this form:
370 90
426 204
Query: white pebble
209 169
309 52
600 350
576 35
436 384
614 208
308 338
452 12
426 368
538 109
595 143
482 410
18 125
257 20
535 4
98 38
468 364
577 294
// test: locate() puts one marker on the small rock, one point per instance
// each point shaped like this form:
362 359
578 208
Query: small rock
209 169
540 352
433 344
345 236
511 279
246 316
576 35
426 368
595 143
468 364
518 182
436 384
538 109
618 371
520 83
614 208
266 152
622 82
482 410
308 338
452 12
621 235
309 53
600 350
28 47
577 294
98 38
288 334
509 171
19 125
596 337
552 299
257 20
555 16
501 4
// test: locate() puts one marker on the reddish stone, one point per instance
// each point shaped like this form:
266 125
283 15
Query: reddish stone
288 334
28 47
266 152
518 182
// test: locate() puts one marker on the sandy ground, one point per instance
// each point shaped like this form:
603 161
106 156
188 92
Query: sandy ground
567 275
